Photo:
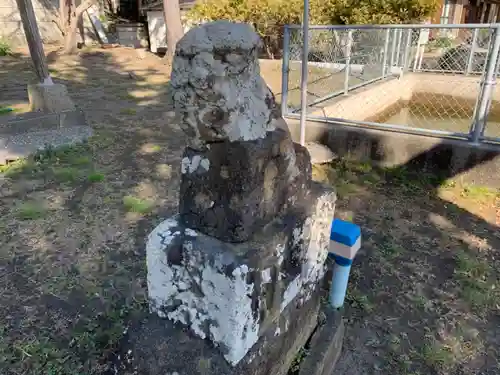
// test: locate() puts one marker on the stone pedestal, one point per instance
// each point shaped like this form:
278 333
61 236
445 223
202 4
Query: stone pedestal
233 293
52 98
241 265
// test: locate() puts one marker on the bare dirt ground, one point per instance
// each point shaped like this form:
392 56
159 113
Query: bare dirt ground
425 291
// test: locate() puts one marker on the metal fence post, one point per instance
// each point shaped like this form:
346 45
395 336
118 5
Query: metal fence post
399 37
471 54
407 51
393 48
347 69
487 86
303 79
386 51
285 67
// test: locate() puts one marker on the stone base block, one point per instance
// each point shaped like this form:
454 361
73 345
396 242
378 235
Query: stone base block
233 293
233 188
325 345
159 347
49 98
23 135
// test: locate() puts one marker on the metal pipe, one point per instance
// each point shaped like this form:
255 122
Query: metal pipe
461 72
495 141
407 51
480 93
488 84
338 93
400 26
285 67
393 46
400 38
416 58
347 62
303 82
421 57
390 127
386 50
471 54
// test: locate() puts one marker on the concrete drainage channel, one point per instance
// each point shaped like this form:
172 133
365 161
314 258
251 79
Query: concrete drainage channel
359 134
376 102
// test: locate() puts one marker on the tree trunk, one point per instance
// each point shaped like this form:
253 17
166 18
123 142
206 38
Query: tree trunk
173 24
70 43
75 13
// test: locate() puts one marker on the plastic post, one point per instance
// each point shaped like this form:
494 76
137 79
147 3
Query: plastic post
345 241
340 279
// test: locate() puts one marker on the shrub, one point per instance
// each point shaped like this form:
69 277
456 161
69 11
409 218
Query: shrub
5 48
269 16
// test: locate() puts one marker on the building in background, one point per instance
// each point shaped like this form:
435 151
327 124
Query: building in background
467 11
153 9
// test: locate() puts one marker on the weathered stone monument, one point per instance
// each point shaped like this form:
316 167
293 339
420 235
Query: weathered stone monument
241 264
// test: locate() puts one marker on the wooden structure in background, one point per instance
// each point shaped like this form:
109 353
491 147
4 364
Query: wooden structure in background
467 11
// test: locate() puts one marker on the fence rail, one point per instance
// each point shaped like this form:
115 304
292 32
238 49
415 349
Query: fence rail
437 80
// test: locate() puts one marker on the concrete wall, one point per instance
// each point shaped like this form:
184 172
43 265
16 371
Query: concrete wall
457 160
367 102
11 27
452 158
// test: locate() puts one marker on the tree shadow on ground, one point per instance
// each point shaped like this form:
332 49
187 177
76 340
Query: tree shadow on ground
74 221
424 295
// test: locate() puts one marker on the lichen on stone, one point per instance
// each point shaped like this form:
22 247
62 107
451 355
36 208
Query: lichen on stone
217 89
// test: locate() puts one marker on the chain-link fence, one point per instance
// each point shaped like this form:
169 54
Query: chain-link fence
437 79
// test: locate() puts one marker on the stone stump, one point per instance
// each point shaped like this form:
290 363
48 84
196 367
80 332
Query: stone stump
240 265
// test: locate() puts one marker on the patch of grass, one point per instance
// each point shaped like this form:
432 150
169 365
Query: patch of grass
96 177
344 188
64 164
6 110
30 211
102 140
389 249
299 358
125 96
65 155
66 174
5 47
477 282
448 184
479 192
16 167
128 111
361 167
420 301
90 342
436 355
407 180
81 160
137 205
155 148
358 300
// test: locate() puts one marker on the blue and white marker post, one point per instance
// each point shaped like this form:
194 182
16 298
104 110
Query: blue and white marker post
345 241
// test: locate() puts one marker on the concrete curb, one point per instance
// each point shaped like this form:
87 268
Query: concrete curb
25 134
325 346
